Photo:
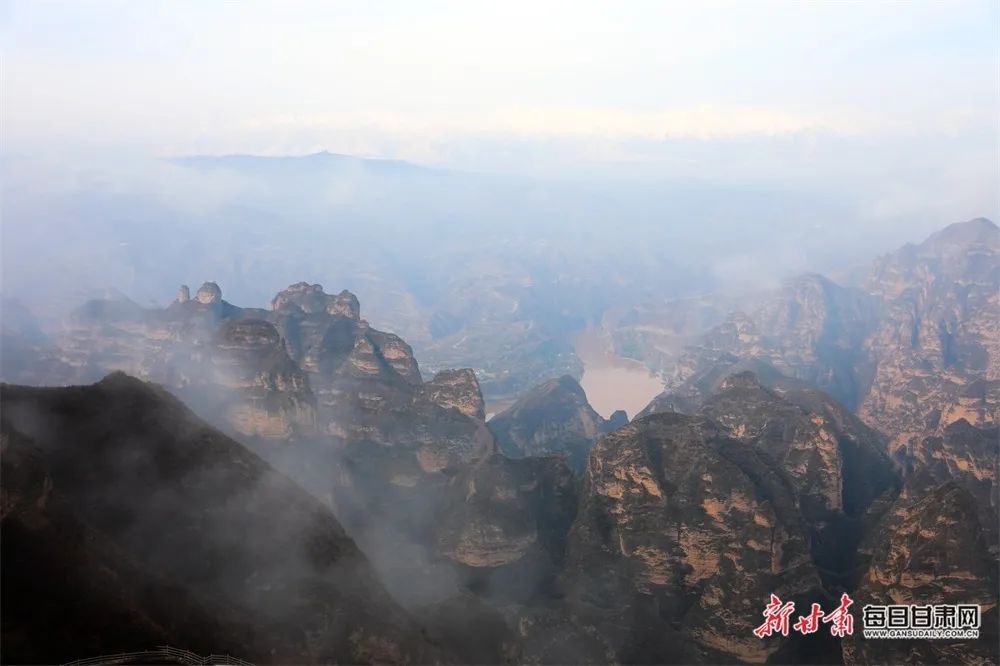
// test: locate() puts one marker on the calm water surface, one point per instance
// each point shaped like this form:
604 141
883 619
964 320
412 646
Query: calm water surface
612 382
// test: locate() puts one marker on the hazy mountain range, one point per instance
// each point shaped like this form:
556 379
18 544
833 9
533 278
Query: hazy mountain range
832 439
489 271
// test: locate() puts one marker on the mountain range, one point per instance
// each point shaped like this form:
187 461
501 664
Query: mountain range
286 485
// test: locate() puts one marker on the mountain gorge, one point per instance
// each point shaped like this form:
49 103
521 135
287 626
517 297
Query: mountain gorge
834 439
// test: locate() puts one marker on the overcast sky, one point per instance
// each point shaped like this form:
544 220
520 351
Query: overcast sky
839 90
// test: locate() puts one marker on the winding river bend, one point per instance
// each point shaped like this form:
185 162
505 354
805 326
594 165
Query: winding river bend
610 381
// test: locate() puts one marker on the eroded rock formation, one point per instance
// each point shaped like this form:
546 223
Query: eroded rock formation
552 419
689 528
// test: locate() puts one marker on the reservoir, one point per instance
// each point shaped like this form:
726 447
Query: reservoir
612 382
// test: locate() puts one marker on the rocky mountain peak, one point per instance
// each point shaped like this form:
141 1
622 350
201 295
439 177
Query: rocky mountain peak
183 294
209 294
553 418
979 231
675 511
311 299
345 303
458 389
741 380
617 419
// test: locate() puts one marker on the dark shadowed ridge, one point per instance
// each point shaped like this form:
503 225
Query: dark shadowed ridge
149 527
554 418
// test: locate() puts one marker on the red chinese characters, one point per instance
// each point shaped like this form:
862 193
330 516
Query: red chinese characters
841 622
777 613
776 618
809 624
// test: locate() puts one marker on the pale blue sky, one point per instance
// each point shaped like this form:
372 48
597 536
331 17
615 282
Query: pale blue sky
770 90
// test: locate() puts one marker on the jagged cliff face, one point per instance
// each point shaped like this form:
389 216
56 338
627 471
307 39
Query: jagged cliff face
270 394
153 528
836 464
929 549
586 540
368 384
927 339
976 404
673 520
968 457
336 404
308 367
457 389
941 330
811 330
909 350
552 419
229 364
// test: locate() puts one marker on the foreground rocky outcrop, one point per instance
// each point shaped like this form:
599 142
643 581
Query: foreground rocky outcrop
684 526
930 548
129 523
552 419
836 464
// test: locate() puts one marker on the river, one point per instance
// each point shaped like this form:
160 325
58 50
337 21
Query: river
610 381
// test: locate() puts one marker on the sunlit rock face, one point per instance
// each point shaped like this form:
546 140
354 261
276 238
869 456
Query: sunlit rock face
968 457
309 366
836 464
271 394
673 517
457 389
309 371
978 404
327 338
941 330
930 354
552 419
929 548
313 388
232 368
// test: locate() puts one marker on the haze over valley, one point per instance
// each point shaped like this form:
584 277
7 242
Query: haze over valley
460 333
